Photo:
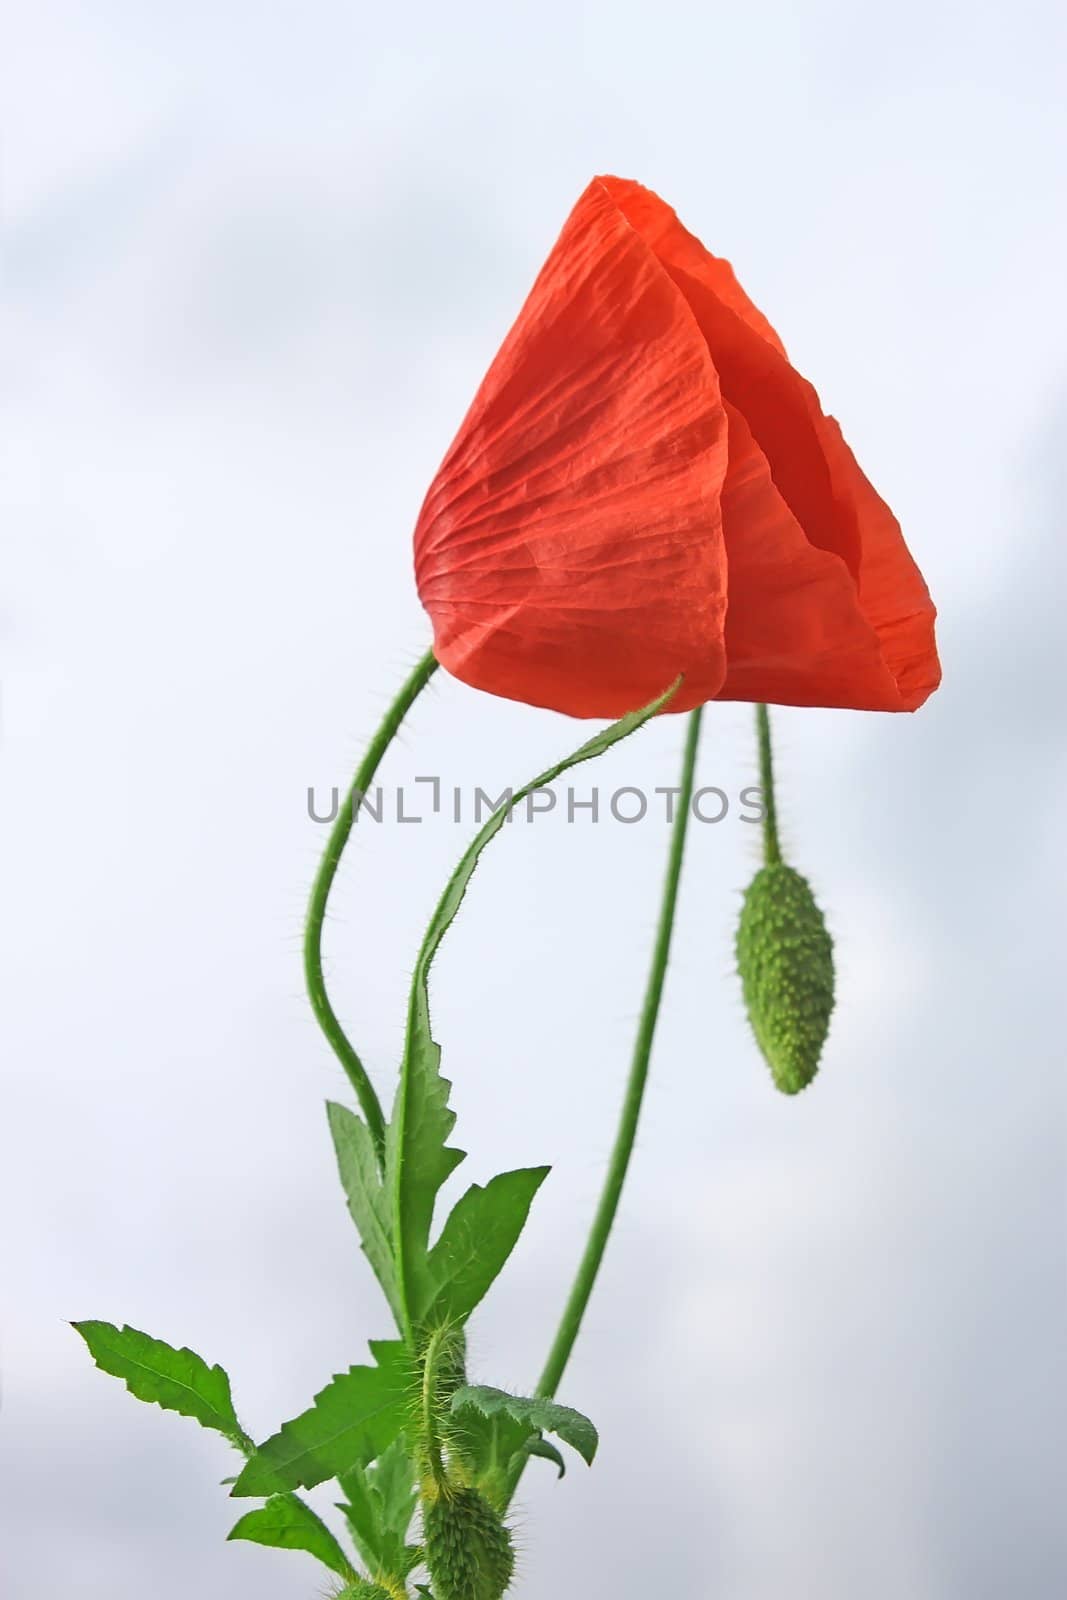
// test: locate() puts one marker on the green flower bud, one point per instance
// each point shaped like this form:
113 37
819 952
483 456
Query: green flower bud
468 1549
786 960
360 1589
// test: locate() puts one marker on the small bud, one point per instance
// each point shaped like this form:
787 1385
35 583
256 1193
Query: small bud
360 1589
786 960
468 1549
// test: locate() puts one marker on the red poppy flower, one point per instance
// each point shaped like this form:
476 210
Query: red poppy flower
644 486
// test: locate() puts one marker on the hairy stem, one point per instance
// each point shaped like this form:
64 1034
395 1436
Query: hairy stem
320 894
438 1348
772 851
604 1218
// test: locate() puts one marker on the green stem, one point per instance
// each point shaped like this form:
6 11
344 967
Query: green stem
589 1267
320 894
422 1119
436 1346
772 851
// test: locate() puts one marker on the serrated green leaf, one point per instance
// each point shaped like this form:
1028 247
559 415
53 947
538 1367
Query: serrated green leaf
392 1477
475 1242
417 1158
361 1513
355 1418
177 1380
379 1507
540 1416
288 1524
357 1163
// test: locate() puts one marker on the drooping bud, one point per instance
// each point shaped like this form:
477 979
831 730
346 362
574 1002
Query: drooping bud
786 960
468 1549
360 1589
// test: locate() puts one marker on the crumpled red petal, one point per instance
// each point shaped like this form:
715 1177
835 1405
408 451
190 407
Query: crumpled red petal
570 551
644 486
817 480
794 633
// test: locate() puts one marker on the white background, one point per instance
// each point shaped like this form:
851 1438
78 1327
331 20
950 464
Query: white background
258 258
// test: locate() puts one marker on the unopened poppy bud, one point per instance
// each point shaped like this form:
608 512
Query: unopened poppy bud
468 1549
786 960
360 1589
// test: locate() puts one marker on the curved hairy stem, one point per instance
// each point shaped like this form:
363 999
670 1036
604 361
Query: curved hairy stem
589 1267
439 1349
320 894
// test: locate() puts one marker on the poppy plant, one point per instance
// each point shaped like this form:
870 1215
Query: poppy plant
644 510
644 486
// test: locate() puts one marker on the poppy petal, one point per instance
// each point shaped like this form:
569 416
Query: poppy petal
667 237
812 467
570 550
794 632
892 591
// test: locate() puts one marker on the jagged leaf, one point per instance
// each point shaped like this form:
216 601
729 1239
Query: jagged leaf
417 1158
361 1513
379 1506
357 1162
393 1480
177 1380
355 1418
475 1242
540 1416
287 1523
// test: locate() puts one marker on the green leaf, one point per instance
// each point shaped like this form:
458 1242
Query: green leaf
287 1523
487 1445
352 1420
536 1446
177 1380
379 1507
361 1513
475 1242
417 1158
392 1478
540 1416
368 1204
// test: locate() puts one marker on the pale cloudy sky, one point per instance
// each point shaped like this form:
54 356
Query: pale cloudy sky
257 260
